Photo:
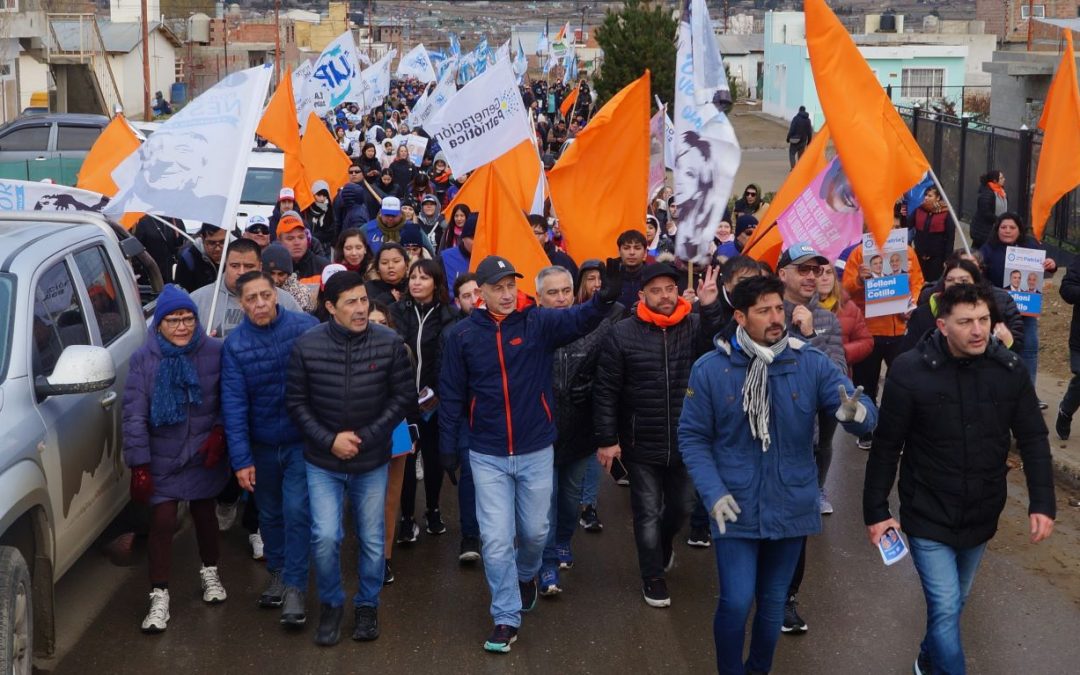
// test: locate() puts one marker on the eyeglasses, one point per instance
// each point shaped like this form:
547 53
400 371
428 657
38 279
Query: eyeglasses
806 269
259 229
354 170
749 194
218 243
177 321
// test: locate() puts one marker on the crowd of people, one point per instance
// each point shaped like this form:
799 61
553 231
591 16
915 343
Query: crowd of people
351 355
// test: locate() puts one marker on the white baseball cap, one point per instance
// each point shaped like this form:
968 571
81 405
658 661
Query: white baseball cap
286 193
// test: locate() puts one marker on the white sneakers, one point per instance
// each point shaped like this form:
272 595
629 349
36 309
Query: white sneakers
158 617
212 590
256 542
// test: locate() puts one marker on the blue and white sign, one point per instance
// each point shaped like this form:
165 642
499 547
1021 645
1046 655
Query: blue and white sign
1024 278
335 76
888 286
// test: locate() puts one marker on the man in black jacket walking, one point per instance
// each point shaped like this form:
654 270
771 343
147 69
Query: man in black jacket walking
799 134
350 383
950 405
1070 402
637 397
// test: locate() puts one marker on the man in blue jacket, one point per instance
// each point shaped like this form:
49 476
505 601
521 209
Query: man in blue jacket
264 444
497 373
746 436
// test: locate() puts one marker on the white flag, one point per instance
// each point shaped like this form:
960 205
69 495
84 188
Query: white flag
483 120
669 142
503 52
417 64
707 154
335 76
193 166
27 195
376 83
432 101
305 103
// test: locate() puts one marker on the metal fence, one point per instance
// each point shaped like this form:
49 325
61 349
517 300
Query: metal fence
961 149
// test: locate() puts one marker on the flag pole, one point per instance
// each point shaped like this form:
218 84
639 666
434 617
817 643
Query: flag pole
169 225
217 284
952 213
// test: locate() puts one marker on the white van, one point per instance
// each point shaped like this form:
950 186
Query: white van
266 168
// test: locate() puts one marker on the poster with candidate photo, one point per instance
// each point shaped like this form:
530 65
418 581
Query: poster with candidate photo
888 287
1024 278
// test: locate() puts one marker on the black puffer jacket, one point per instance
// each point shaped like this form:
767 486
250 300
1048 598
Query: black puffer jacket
952 419
1070 293
574 374
422 327
344 381
641 381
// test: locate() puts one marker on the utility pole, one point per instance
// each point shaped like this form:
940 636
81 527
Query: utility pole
277 41
1031 22
148 114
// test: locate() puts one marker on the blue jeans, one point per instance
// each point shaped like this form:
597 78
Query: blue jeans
591 486
565 501
749 570
946 574
467 499
513 495
281 493
1030 351
367 495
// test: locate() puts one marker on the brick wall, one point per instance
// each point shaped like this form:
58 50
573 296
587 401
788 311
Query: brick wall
1004 19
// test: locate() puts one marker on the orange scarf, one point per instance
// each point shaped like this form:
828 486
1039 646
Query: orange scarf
682 309
998 190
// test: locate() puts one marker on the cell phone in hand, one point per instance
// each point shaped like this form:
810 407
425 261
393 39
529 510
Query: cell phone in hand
618 469
892 547
426 395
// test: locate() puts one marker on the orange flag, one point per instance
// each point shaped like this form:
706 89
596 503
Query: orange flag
279 126
599 187
879 155
501 229
767 244
568 102
116 142
519 169
323 159
1059 170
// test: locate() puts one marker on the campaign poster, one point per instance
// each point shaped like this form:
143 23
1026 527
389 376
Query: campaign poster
826 214
417 146
1024 278
888 289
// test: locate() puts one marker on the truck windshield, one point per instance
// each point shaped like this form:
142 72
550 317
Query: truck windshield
7 318
261 186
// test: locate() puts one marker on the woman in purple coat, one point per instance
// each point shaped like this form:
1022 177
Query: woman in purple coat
174 442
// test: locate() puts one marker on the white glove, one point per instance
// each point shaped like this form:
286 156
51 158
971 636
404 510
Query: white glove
725 509
850 409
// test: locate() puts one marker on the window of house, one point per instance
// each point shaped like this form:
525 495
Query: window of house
1038 11
922 82
9 5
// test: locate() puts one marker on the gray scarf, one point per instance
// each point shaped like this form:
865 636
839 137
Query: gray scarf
755 400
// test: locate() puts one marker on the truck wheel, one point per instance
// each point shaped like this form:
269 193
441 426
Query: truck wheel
16 614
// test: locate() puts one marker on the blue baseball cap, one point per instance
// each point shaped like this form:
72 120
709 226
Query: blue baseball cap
799 253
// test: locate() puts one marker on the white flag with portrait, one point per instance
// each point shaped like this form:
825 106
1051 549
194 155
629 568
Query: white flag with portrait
417 64
707 154
375 83
483 120
193 167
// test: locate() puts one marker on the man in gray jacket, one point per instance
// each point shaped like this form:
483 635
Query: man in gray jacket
799 267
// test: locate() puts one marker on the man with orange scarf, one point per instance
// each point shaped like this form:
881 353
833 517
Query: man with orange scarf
637 399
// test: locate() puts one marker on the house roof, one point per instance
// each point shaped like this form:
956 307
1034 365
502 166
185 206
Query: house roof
740 44
119 38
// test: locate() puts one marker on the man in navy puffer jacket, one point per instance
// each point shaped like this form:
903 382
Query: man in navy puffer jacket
264 444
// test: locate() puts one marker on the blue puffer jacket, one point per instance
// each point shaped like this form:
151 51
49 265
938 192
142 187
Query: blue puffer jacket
454 264
253 365
498 376
776 490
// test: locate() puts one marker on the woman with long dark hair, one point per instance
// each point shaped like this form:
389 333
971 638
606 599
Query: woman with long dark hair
354 252
391 274
369 164
452 235
991 203
421 317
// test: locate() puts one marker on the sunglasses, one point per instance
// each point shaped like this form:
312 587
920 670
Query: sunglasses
259 229
807 269
354 170
749 194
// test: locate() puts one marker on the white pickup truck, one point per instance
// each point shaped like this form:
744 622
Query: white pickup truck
75 294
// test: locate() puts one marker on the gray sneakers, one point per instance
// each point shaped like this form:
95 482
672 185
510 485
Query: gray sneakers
273 594
292 608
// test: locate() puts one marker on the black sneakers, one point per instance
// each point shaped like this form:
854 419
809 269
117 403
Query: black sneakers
793 623
367 624
470 550
1063 425
408 531
501 638
292 608
655 593
328 633
700 537
528 594
388 575
922 664
590 520
273 594
865 442
434 522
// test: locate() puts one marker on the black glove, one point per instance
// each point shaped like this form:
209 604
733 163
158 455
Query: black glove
611 281
450 461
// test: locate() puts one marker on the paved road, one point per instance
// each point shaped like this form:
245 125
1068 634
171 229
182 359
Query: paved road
863 618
